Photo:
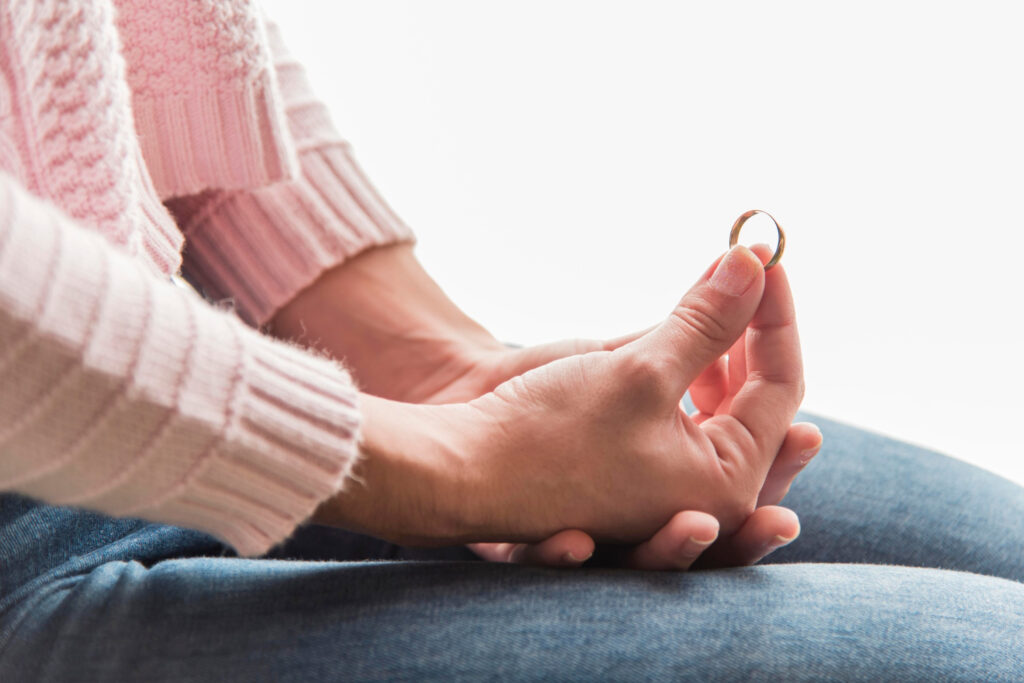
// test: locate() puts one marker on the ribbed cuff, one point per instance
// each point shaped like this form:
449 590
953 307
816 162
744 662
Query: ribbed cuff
216 139
260 248
290 443
124 393
163 240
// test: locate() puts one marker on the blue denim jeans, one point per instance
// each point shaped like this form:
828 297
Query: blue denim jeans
910 567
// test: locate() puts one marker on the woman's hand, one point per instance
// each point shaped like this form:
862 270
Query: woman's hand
609 424
690 534
769 528
599 442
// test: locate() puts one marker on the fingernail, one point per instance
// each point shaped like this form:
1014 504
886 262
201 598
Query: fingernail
808 455
805 456
780 541
569 558
693 547
735 272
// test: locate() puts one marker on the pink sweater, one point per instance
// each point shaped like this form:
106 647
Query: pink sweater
120 390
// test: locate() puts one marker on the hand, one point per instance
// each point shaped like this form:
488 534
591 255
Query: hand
558 445
406 340
690 534
612 420
769 528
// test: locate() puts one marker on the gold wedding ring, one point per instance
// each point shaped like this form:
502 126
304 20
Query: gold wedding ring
738 225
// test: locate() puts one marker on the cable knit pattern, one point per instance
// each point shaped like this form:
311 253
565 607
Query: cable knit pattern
71 124
259 248
119 390
204 95
219 47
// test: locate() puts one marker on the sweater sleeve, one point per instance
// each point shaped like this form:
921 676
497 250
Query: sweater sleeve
130 395
261 247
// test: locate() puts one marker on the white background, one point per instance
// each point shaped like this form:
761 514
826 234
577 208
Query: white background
571 167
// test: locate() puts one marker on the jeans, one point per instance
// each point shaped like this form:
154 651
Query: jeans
910 567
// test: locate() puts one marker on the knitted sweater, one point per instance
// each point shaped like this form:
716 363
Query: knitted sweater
121 391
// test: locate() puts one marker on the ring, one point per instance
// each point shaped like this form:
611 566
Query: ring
735 234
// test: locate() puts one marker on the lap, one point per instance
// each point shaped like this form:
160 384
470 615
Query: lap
99 597
868 498
220 618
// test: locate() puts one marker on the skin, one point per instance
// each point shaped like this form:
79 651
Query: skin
521 450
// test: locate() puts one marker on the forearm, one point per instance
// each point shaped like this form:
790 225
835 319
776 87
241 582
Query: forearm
392 324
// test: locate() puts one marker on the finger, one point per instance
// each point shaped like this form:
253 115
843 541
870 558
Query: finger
738 352
706 322
569 548
763 252
677 544
766 530
760 413
709 389
524 360
803 441
613 344
492 552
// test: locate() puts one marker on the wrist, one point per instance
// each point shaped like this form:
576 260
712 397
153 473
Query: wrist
411 484
394 326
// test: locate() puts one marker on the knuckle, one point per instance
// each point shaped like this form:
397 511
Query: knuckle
736 449
696 315
793 383
646 374
735 444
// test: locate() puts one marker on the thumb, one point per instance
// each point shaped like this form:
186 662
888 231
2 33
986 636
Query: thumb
708 319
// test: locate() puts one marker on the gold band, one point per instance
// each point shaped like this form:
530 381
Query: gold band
735 234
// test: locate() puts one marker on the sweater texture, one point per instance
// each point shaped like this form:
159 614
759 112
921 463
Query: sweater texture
127 131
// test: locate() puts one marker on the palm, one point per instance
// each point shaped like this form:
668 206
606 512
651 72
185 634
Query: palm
623 413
